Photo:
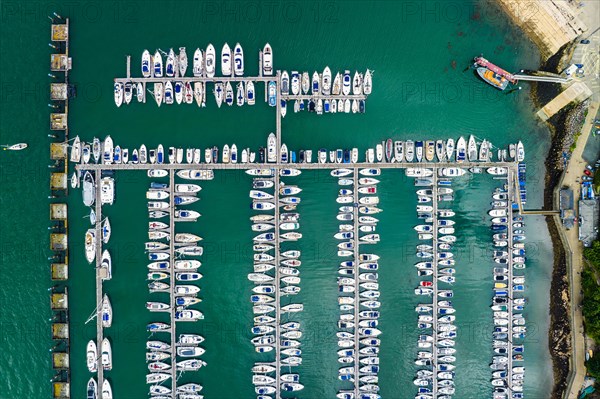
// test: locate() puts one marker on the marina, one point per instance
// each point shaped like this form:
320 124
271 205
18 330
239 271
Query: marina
274 252
413 101
322 92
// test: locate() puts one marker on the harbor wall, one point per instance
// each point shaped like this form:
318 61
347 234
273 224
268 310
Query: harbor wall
550 24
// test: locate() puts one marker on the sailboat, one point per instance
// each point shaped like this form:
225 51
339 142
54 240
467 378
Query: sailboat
182 61
15 147
170 64
106 310
367 82
199 93
461 150
76 150
228 94
158 65
240 95
198 63
472 149
158 93
106 230
218 92
146 64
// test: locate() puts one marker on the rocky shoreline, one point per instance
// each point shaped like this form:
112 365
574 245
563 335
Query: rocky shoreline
564 127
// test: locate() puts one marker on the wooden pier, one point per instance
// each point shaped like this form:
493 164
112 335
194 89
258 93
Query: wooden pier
512 193
435 275
99 276
277 250
301 166
172 282
192 79
356 285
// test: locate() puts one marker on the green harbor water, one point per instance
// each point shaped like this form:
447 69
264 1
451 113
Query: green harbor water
418 50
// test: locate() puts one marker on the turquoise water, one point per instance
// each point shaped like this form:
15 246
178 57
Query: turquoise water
418 52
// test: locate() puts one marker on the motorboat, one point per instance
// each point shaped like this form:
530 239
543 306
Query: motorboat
92 389
106 390
399 151
326 81
210 61
90 245
107 190
379 152
409 150
179 89
127 92
168 93
316 83
106 264
226 60
170 64
520 155
198 63
146 68
118 93
472 149
92 356
106 356
89 189
267 60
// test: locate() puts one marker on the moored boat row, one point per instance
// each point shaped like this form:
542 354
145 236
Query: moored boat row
359 296
508 302
276 278
436 270
173 269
